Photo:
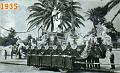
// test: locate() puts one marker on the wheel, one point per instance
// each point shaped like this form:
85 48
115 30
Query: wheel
63 70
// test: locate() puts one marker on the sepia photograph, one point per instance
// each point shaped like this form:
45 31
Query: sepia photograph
59 36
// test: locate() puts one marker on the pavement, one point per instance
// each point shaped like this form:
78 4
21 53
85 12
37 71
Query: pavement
14 61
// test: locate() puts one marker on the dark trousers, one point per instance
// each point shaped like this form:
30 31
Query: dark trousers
93 60
97 61
19 55
112 63
89 63
5 57
11 55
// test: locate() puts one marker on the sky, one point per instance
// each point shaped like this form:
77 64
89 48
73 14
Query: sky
17 19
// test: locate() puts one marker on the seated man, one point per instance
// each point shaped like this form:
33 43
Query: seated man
49 51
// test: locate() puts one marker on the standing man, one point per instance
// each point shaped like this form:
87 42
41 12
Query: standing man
19 53
112 59
12 54
5 54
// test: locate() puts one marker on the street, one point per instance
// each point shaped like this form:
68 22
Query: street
9 68
12 68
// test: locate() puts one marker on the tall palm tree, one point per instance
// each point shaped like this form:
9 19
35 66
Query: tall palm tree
97 15
45 12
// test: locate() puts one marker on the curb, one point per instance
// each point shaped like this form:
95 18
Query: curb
12 63
99 70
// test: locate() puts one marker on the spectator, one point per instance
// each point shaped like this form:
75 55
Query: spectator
19 53
5 54
11 53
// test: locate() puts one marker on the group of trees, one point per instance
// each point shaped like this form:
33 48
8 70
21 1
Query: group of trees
10 39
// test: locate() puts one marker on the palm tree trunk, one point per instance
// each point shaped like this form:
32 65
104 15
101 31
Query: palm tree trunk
115 16
52 24
114 3
107 5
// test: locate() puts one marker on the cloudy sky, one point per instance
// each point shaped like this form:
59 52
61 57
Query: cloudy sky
16 19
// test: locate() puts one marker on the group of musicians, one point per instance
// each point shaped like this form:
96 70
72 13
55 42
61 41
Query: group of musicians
92 61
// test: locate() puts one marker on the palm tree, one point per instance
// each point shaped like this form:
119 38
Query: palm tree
97 15
45 12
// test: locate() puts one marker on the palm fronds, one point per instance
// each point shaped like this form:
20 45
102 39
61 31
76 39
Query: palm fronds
41 14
